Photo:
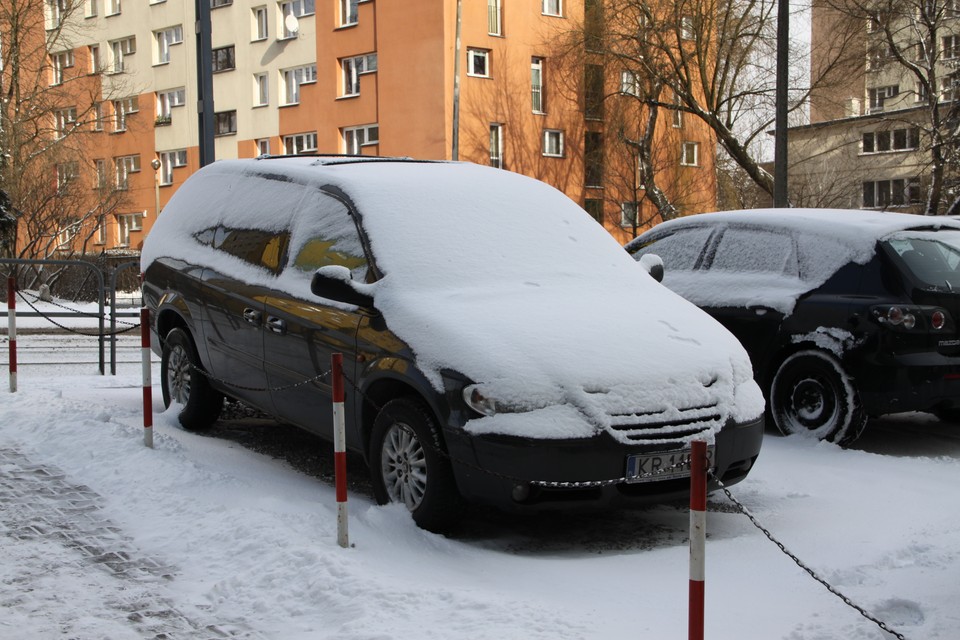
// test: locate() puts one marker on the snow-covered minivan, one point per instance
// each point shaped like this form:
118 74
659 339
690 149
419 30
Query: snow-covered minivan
499 346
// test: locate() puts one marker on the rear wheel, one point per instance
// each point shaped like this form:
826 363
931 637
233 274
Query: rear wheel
811 395
183 384
409 467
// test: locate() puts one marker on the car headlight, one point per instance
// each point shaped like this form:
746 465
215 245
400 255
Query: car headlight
478 402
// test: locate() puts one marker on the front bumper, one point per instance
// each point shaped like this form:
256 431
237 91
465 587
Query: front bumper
503 471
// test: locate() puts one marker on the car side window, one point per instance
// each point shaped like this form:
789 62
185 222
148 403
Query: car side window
260 248
327 235
757 251
680 250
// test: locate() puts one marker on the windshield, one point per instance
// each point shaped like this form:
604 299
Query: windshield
932 257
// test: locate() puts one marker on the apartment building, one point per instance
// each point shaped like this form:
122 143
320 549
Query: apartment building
476 81
879 109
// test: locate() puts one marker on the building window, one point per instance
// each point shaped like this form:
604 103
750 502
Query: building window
224 59
225 123
92 9
214 4
950 88
297 9
950 47
169 160
536 85
64 121
628 214
99 173
690 154
293 78
688 30
261 90
593 91
67 172
125 165
119 50
98 116
553 143
353 68
677 112
891 193
879 95
57 10
892 140
127 222
59 62
165 39
263 146
629 83
121 109
300 143
494 18
93 51
478 63
496 146
67 233
552 7
167 100
594 207
113 7
100 234
593 159
348 12
356 137
261 27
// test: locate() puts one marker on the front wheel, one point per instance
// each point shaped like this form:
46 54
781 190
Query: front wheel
812 395
182 382
408 466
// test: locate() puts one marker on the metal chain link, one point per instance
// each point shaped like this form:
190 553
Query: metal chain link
813 574
79 313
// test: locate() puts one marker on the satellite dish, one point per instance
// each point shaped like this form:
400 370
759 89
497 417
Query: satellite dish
291 23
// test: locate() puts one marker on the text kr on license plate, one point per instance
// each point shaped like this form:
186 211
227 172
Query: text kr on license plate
662 465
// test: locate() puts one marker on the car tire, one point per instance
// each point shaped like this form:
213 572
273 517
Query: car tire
812 395
408 465
181 382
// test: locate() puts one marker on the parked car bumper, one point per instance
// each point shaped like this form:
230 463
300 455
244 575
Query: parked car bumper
506 471
910 382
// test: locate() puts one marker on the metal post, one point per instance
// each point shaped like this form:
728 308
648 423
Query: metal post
339 450
12 330
698 536
147 377
780 197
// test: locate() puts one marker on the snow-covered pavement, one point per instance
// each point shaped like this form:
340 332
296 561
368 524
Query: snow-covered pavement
202 537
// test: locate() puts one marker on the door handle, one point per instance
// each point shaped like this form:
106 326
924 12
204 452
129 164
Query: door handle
251 315
276 325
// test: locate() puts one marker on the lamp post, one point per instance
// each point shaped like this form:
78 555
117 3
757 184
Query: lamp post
155 163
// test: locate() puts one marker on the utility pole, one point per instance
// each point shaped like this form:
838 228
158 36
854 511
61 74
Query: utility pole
204 83
780 197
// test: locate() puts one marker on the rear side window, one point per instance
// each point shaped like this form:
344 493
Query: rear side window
932 257
265 249
756 251
680 250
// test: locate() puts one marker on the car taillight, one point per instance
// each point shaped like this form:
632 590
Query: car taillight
908 318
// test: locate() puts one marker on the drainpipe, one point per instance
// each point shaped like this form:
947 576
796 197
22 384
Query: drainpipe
455 146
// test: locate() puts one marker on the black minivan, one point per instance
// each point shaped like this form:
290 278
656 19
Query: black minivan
498 345
845 314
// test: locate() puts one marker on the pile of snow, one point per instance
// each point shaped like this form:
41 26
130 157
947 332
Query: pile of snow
249 544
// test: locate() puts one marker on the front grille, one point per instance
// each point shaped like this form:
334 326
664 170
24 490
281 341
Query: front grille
667 426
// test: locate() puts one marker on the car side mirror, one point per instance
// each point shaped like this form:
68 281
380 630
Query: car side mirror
334 282
652 264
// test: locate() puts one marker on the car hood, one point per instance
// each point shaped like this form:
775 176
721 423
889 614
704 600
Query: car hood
570 361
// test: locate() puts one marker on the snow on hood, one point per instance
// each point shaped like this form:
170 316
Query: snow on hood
507 281
827 239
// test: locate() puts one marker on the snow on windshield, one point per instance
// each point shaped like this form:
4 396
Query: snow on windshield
497 276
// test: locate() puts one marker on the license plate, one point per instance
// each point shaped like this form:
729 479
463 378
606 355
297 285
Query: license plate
662 465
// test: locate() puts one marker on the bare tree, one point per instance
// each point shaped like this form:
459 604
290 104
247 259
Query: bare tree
912 50
50 106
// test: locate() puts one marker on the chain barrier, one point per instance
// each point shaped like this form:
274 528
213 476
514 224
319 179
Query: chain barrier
813 574
79 313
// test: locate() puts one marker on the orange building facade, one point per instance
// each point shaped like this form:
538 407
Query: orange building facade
478 80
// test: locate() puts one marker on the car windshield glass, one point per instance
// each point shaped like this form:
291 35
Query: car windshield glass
932 257
679 250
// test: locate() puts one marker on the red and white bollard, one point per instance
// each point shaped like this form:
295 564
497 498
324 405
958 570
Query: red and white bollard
147 377
339 450
698 536
12 330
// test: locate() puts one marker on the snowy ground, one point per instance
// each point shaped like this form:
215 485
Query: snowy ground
203 537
